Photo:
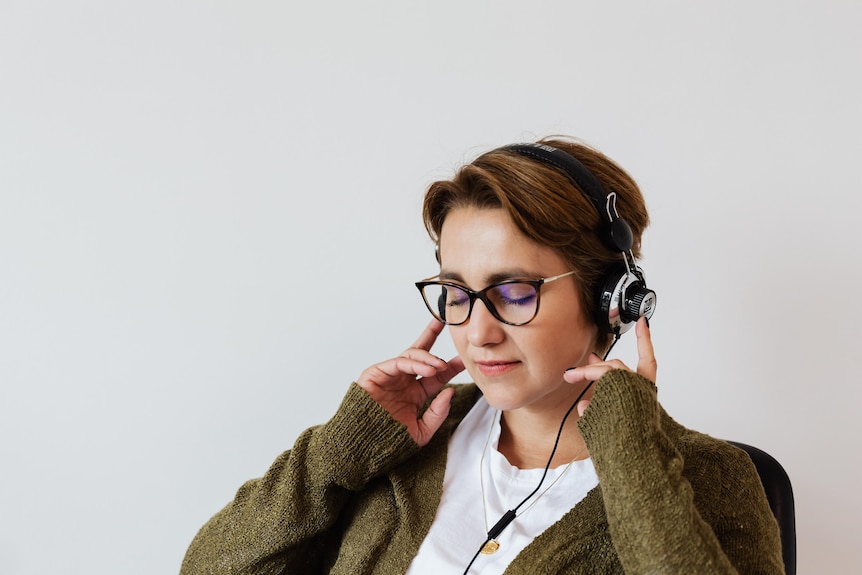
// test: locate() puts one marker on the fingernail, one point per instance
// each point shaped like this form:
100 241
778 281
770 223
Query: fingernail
571 368
646 319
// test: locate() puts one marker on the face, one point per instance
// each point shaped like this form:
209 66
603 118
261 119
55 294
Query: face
516 367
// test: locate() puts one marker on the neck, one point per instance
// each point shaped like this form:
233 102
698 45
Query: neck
527 439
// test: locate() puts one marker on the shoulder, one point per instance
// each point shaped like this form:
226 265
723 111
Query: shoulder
729 495
704 450
716 455
717 470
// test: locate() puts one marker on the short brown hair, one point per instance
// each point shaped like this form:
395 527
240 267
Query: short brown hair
547 206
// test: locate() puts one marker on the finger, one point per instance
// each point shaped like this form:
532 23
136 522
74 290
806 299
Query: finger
588 372
453 367
592 371
582 406
392 370
647 365
434 416
574 375
429 335
435 383
424 356
423 367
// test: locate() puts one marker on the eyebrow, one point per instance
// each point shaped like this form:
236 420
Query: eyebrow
515 273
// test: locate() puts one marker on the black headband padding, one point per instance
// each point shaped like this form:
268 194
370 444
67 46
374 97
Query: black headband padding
618 233
569 165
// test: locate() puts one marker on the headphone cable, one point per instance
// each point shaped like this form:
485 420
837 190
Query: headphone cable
510 515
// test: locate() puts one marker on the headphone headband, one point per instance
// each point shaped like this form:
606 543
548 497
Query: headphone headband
568 164
618 234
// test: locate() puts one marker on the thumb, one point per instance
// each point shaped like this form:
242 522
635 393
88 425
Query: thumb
582 406
434 416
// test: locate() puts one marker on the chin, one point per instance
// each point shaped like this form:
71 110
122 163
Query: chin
509 396
503 399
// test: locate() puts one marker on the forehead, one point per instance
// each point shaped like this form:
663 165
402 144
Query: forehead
480 246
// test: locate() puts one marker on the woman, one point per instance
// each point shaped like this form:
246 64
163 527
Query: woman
556 460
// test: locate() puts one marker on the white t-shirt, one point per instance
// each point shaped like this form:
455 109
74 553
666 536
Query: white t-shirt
459 528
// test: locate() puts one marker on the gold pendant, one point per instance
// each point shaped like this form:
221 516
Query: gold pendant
490 547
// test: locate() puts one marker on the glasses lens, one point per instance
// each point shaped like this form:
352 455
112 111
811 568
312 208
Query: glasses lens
512 302
515 302
448 303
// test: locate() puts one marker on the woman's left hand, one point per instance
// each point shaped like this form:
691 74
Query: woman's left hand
596 368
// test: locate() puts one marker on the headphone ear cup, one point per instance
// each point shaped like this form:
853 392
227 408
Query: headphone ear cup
623 299
609 300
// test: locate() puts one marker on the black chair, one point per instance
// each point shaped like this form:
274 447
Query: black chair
779 492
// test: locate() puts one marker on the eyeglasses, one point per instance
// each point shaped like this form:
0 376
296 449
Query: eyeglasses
513 302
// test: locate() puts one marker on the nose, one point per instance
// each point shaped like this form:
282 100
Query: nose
482 327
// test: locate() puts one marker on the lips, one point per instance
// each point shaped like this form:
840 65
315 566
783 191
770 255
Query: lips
493 368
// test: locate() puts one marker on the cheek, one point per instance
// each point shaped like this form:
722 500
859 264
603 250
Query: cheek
568 342
458 335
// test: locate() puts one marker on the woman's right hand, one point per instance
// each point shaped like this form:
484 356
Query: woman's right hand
404 384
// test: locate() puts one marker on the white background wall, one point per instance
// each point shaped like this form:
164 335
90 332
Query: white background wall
199 199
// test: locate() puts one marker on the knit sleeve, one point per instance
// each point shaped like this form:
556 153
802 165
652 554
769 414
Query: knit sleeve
677 502
280 522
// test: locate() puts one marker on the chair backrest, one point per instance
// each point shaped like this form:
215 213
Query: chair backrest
779 492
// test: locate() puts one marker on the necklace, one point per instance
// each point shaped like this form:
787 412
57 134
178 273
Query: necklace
492 545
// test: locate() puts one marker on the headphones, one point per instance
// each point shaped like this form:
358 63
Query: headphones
623 296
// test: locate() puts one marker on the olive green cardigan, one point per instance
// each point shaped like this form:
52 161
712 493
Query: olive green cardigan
357 496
